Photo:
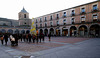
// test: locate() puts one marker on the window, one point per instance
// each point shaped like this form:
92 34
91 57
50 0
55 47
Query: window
72 20
73 12
51 24
57 16
95 17
94 7
45 18
64 21
40 25
83 18
51 17
24 15
25 23
83 10
36 20
45 24
64 14
57 23
40 19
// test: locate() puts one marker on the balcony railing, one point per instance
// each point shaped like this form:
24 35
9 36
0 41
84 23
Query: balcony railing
72 22
82 13
57 18
94 10
64 16
73 14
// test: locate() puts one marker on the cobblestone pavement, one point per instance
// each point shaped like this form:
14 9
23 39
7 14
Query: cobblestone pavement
55 42
51 49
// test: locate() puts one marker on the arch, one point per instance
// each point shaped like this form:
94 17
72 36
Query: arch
83 30
73 31
10 31
16 31
27 31
22 31
94 30
64 31
41 31
45 32
51 31
3 31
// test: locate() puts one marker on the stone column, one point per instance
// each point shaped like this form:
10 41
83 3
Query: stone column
48 30
54 31
43 31
69 32
87 32
60 31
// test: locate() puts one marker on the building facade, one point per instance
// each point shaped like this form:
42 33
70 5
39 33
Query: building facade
82 21
21 26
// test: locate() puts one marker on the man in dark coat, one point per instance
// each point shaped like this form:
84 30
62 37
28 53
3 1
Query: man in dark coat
37 38
40 36
43 37
16 39
6 38
49 37
29 36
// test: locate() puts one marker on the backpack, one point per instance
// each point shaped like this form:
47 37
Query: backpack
2 38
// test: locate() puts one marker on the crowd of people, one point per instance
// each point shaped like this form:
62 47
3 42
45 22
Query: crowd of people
23 38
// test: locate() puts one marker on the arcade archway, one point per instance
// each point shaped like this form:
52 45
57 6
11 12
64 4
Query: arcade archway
94 30
10 31
73 31
45 32
83 30
22 31
16 31
51 31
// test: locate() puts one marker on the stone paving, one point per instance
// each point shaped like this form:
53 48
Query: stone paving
58 47
55 42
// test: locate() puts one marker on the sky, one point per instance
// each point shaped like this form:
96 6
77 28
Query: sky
10 8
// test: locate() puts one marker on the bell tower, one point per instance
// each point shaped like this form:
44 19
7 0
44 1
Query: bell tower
23 14
24 18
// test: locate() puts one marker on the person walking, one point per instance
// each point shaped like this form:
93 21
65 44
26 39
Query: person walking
16 36
37 36
42 37
33 38
12 39
49 36
6 38
29 37
2 38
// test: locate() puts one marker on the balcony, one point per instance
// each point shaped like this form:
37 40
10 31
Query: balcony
95 20
40 21
57 18
64 16
45 21
51 25
57 24
94 10
72 22
73 14
82 13
36 22
50 19
64 24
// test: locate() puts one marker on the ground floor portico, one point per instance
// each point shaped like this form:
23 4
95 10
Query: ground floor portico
82 30
14 30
